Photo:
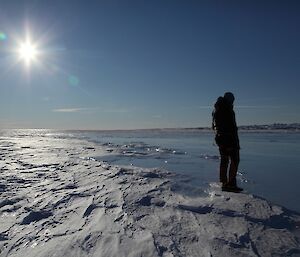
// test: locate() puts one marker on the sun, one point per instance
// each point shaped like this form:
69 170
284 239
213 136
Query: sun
28 52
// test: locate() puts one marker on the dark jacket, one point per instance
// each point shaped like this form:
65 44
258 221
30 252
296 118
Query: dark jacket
224 124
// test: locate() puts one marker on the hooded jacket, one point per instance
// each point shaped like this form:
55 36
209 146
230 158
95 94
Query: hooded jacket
224 124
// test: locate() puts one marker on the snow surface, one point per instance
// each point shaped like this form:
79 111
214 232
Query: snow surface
55 200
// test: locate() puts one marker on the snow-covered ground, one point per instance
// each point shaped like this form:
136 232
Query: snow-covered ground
55 200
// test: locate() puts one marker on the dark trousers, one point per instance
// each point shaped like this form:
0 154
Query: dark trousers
231 155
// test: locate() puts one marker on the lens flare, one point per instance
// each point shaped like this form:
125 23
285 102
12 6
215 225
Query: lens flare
73 80
3 36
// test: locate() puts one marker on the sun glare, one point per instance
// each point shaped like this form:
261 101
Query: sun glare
27 52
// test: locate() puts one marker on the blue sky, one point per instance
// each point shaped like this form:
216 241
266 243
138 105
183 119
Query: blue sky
148 64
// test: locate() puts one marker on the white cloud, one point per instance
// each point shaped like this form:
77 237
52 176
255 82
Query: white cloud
71 109
85 109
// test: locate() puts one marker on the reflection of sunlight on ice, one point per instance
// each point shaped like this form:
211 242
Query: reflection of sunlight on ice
214 190
34 244
211 195
242 178
210 157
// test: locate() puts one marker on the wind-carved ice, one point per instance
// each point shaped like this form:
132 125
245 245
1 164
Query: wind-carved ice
140 154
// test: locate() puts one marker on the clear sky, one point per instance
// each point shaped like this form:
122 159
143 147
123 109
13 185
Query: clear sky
147 64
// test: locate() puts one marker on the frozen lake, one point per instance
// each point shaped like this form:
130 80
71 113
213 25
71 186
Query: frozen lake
269 165
64 193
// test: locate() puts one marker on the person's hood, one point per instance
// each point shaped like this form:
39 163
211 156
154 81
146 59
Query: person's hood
229 97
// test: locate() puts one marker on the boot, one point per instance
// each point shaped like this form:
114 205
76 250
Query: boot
231 186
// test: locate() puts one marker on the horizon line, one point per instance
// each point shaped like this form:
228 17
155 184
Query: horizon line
154 128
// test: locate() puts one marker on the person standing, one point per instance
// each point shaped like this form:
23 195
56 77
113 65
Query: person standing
226 137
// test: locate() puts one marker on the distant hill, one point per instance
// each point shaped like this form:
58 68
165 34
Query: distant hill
275 126
270 127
